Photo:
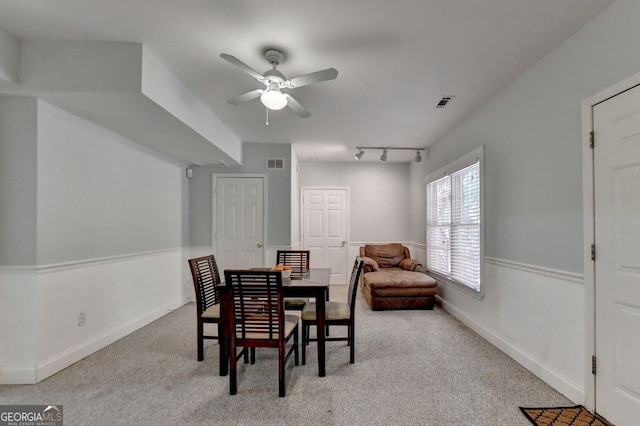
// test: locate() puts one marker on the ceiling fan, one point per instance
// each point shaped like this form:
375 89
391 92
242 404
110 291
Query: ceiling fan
272 96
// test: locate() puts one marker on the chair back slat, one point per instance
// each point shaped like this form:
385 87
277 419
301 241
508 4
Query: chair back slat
257 304
206 279
298 260
353 283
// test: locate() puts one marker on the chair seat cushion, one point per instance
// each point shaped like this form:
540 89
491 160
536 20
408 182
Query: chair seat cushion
212 312
294 302
290 323
334 311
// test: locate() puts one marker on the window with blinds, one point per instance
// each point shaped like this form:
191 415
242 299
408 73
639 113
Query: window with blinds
453 226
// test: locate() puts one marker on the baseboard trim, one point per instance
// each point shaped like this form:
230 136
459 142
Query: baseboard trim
78 353
556 381
17 376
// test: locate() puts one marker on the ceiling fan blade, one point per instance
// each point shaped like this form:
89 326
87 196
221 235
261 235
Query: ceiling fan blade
296 107
244 67
245 97
314 77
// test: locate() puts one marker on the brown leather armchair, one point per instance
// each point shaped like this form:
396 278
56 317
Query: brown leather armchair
393 280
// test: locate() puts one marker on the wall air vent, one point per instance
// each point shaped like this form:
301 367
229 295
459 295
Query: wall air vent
275 163
445 100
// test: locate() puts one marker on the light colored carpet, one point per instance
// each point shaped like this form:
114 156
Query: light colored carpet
412 368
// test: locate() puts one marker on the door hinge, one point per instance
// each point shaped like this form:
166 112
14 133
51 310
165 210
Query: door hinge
593 364
591 139
593 252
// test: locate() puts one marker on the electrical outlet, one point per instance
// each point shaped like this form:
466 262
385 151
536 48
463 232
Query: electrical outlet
82 319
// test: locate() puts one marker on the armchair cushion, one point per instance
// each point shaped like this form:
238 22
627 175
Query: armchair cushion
387 255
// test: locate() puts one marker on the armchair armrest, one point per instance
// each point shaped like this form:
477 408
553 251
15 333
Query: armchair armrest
370 265
411 265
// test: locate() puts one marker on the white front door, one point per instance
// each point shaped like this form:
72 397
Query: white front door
239 221
325 217
617 265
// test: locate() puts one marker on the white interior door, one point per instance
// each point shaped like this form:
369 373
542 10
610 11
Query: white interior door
617 266
325 217
239 221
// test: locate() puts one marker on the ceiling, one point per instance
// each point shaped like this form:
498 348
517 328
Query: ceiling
396 59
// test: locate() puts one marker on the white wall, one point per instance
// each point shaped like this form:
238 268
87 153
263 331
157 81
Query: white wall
295 201
379 193
111 195
254 156
9 57
18 180
111 223
534 303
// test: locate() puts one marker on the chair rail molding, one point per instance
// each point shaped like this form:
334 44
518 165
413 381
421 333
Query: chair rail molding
108 297
535 269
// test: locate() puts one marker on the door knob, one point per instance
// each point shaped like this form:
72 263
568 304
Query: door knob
344 242
259 245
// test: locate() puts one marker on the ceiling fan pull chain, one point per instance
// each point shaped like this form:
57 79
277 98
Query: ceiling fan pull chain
267 116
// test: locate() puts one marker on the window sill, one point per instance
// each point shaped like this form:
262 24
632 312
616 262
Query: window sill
440 279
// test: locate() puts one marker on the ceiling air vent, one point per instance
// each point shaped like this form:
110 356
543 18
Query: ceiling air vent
445 100
275 163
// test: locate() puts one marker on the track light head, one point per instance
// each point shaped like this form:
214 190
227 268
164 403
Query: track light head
361 150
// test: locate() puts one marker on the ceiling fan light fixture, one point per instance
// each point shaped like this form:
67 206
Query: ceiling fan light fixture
273 98
383 157
359 154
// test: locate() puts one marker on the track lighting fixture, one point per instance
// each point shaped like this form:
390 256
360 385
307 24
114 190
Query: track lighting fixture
383 157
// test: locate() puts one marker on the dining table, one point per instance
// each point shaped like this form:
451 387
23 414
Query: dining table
314 283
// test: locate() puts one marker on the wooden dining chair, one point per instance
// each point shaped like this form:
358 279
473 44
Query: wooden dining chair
257 319
298 260
337 313
206 279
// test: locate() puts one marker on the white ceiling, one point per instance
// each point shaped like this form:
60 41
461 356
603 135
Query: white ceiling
395 59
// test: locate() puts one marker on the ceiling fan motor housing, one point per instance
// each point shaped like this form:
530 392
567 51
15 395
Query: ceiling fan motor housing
275 76
274 56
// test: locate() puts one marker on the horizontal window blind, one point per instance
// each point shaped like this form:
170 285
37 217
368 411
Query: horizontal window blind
453 226
439 226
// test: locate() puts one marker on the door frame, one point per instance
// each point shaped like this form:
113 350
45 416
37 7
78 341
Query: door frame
348 219
214 205
588 195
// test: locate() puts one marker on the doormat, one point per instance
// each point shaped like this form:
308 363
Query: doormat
563 416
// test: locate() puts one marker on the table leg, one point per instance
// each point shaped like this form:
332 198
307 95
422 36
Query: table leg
320 315
224 350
